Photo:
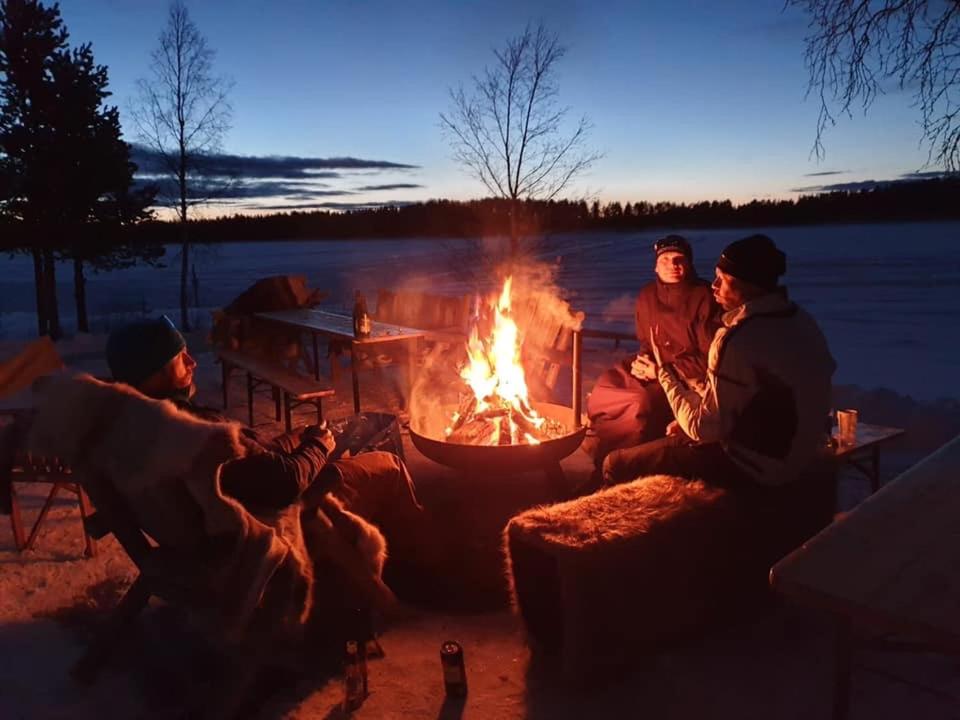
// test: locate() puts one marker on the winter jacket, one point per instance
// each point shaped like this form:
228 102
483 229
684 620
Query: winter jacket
767 393
684 319
274 471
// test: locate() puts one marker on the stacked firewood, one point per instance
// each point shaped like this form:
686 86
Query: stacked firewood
499 423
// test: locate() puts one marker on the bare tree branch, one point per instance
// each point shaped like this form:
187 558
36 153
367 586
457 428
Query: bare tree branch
856 47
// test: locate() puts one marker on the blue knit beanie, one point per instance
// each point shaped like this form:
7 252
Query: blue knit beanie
137 351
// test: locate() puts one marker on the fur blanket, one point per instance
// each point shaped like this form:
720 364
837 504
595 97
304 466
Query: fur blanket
166 465
602 579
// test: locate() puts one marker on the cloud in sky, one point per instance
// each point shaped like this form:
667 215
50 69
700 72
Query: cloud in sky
826 172
275 183
339 206
869 184
396 186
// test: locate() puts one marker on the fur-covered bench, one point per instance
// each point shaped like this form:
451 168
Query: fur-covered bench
603 579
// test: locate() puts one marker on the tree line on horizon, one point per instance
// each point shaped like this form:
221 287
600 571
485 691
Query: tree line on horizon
921 200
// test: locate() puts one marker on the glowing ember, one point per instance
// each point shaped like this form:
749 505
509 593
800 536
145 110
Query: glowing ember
497 411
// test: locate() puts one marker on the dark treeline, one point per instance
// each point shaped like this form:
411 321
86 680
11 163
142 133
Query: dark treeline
921 200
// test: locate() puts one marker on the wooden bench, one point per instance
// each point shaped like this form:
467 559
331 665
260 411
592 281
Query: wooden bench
290 388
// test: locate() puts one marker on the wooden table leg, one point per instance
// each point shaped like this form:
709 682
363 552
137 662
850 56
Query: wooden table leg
843 657
356 379
250 397
86 510
875 469
413 353
224 379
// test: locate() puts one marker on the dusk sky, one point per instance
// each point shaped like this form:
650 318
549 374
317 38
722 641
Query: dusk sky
689 100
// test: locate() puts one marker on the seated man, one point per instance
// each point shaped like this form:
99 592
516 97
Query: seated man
758 423
152 356
627 405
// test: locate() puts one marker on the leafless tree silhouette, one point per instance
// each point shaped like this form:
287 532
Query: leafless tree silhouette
510 131
182 113
856 47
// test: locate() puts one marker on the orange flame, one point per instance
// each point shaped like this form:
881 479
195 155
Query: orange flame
495 374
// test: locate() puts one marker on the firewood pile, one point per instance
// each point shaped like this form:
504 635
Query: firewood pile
500 423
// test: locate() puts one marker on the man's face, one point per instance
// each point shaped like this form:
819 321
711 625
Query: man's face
172 378
671 267
728 291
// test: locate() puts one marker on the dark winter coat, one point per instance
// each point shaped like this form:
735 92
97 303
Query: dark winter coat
274 471
684 318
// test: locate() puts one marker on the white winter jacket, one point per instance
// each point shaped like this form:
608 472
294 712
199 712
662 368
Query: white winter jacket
767 391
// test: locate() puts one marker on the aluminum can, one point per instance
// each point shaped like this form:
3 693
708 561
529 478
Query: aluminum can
454 672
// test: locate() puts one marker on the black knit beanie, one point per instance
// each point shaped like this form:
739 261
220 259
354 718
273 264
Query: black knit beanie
674 243
137 351
754 259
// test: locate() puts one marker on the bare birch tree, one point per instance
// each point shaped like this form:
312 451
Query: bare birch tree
859 47
510 132
182 114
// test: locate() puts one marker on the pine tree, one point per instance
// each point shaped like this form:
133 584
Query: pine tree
62 158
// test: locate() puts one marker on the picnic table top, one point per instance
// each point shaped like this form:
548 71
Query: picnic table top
892 561
339 325
868 436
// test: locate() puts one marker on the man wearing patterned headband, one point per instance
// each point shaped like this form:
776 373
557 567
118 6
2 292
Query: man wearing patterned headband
627 405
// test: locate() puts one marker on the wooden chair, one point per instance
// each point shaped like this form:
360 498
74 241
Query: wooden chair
422 310
550 345
19 467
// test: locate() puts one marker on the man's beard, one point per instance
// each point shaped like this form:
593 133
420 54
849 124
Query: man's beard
184 394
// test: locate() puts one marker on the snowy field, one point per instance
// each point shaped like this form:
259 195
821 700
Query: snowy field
887 296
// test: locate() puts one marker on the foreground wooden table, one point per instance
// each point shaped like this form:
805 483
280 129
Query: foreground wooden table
891 565
340 327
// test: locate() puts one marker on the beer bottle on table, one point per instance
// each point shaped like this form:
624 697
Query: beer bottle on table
361 318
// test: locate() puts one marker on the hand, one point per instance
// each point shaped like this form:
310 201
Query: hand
643 368
674 428
322 433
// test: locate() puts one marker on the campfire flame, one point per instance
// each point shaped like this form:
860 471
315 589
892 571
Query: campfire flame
497 411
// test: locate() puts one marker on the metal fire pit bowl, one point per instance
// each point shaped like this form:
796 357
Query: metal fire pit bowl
505 458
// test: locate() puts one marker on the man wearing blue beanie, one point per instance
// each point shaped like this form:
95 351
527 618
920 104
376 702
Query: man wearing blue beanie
139 355
152 356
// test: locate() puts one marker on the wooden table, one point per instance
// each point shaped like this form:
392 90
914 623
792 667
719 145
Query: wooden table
340 327
891 565
866 449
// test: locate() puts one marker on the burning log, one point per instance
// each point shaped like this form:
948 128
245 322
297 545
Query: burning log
506 431
493 413
475 432
468 407
525 425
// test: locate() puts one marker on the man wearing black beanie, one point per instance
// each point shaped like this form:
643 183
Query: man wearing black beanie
758 422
